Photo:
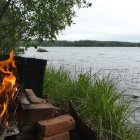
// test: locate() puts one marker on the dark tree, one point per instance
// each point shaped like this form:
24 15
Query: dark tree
40 19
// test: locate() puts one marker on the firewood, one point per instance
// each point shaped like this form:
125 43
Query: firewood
33 98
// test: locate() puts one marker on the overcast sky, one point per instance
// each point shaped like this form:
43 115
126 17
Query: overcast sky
117 20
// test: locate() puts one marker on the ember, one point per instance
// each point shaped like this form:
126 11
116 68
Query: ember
8 88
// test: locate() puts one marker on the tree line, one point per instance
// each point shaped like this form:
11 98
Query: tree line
83 43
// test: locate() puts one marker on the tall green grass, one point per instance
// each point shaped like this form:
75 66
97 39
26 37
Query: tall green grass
98 101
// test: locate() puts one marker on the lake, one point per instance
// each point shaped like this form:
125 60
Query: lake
122 63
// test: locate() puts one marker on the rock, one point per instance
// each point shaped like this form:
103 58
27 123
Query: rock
135 96
41 50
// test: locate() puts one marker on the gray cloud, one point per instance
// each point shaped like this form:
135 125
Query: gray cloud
106 20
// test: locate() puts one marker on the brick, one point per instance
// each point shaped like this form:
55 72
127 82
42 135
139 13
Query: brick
62 136
56 125
29 114
33 98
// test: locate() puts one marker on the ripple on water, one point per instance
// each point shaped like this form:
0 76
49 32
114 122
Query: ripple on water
121 62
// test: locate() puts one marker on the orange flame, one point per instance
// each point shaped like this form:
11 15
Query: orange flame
8 86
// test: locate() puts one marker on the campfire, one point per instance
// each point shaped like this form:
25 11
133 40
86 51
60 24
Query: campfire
8 89
22 114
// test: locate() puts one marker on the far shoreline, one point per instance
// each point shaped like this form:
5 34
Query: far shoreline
81 43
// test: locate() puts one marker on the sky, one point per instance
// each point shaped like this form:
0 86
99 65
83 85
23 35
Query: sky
106 20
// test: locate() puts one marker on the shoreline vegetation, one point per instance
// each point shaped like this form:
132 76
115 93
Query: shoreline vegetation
97 100
80 43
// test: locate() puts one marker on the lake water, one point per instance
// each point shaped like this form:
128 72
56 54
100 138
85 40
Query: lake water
121 62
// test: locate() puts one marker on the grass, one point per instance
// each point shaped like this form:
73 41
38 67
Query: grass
98 101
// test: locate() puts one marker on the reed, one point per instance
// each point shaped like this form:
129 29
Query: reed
97 99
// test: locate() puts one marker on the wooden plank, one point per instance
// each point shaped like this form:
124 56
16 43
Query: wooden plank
33 98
